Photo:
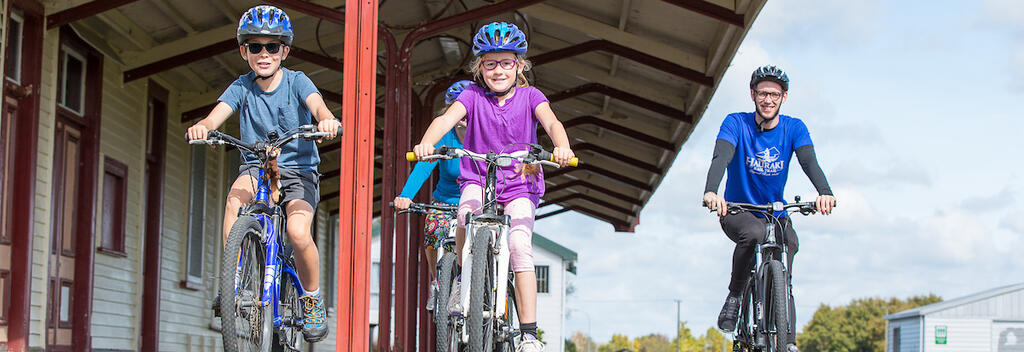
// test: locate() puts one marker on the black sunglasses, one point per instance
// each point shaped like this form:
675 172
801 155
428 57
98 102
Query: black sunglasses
256 48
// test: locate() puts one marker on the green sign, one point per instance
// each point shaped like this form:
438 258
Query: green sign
940 334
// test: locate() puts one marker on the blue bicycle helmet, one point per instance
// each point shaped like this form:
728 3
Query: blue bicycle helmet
769 73
499 37
454 90
265 21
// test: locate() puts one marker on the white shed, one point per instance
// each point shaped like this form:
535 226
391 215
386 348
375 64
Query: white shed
991 320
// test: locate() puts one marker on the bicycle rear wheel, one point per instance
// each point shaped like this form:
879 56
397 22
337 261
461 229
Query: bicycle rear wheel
508 343
481 329
246 325
776 307
445 271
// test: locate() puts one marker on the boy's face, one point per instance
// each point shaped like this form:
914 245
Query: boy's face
264 63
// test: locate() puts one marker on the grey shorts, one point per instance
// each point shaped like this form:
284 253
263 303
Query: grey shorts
295 184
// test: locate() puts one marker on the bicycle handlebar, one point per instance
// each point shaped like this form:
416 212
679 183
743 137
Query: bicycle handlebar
421 208
536 156
804 208
214 137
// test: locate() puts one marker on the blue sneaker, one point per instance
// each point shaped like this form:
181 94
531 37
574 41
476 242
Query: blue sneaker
314 324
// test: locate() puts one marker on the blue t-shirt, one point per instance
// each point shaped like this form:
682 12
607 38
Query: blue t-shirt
279 110
758 171
447 188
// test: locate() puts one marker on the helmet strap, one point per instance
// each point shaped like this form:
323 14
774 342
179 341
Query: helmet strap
498 94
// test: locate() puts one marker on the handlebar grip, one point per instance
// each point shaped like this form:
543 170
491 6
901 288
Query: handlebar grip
410 156
574 162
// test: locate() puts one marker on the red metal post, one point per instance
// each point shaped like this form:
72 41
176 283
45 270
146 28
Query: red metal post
389 154
356 192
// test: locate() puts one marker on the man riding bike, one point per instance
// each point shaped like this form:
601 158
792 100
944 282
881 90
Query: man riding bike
756 148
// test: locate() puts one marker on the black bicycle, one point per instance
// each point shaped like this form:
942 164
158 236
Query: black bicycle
445 270
259 287
484 319
765 317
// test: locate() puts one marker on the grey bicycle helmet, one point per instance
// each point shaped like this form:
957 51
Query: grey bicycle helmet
769 73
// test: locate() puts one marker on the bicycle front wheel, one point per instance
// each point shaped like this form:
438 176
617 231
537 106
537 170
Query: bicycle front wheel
481 297
246 325
445 269
290 337
776 306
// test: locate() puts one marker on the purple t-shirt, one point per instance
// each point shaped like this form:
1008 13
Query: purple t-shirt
493 128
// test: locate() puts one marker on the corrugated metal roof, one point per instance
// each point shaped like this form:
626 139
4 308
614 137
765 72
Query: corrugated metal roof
967 300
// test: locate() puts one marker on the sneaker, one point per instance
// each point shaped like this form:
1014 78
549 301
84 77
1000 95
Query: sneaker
530 345
791 347
432 296
730 313
314 322
455 299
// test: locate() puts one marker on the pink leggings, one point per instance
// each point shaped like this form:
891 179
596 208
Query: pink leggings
521 210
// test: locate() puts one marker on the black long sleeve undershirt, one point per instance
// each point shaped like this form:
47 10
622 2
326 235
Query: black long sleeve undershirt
724 152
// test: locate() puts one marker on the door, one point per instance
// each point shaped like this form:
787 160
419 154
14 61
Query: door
66 192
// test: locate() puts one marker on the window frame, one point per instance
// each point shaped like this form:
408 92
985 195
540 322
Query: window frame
65 52
14 16
197 187
543 283
114 168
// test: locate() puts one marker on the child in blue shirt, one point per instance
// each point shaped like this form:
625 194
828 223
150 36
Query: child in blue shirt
273 98
446 192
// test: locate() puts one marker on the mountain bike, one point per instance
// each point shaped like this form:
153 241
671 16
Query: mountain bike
445 270
485 320
766 311
259 288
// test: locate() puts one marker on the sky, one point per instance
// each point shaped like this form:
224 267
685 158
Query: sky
910 105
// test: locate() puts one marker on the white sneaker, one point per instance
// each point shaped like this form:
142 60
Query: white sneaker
432 296
454 298
530 346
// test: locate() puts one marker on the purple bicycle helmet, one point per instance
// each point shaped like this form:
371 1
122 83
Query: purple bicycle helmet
454 90
769 73
499 37
265 21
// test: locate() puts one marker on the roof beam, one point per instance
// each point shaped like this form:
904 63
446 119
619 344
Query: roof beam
669 111
629 53
200 39
85 10
619 224
640 185
181 59
611 126
634 162
581 196
590 186
595 28
311 9
618 83
711 10
175 15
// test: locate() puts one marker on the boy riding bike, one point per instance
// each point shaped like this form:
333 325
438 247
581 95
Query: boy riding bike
757 148
272 98
502 112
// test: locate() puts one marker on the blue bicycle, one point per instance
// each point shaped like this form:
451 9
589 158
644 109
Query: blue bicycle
258 269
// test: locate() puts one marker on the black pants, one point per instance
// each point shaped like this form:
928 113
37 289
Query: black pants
747 230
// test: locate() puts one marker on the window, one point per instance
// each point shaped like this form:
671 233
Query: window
71 89
332 261
896 339
196 223
15 27
542 278
115 191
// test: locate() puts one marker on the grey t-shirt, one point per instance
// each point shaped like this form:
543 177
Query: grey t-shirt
279 110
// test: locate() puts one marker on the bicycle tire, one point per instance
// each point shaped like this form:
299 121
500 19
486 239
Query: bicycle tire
777 308
290 337
511 313
744 337
446 268
478 291
244 234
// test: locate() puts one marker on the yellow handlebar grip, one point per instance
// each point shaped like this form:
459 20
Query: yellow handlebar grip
410 156
574 162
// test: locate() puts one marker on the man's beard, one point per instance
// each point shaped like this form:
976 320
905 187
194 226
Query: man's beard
763 116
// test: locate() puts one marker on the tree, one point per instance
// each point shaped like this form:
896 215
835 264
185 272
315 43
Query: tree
570 346
618 342
856 327
583 342
654 343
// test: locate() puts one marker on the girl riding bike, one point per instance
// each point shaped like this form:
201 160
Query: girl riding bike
273 98
503 109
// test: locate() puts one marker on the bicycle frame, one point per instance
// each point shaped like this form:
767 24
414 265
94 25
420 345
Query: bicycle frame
273 243
489 217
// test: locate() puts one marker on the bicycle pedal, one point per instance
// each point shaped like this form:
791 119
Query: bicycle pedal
216 306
